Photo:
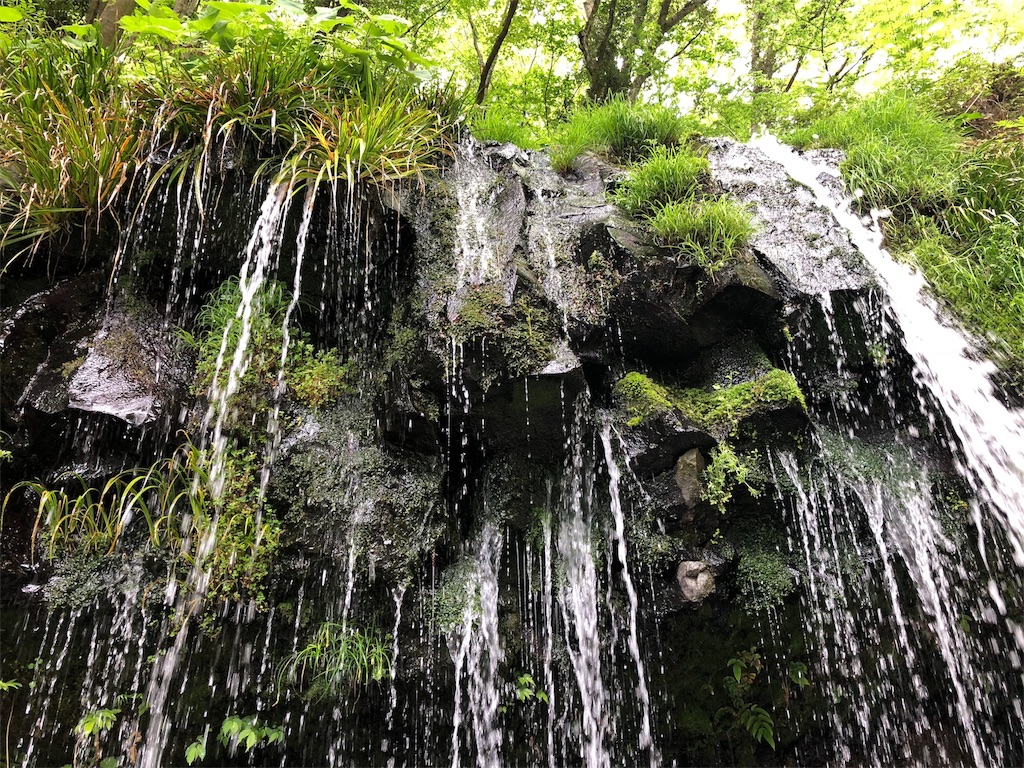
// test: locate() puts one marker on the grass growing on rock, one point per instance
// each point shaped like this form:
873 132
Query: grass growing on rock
619 129
666 176
707 232
898 151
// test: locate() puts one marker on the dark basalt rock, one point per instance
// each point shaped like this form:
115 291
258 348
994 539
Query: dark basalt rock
797 239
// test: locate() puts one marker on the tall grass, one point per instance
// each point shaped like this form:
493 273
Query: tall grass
621 129
666 176
69 142
76 125
337 659
899 153
708 232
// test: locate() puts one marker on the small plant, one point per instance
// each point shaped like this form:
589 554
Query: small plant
745 669
724 473
707 232
526 689
247 733
503 126
314 378
339 658
666 176
196 751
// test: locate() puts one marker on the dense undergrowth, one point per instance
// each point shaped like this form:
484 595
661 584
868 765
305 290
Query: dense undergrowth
304 98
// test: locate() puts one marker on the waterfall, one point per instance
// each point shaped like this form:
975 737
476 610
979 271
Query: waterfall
906 609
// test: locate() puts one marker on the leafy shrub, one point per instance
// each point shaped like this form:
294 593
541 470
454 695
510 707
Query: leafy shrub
69 142
708 232
668 175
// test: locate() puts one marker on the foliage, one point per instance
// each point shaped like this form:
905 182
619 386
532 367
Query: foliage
526 689
69 143
666 176
707 232
724 473
620 129
745 669
898 152
319 97
500 124
314 378
338 658
233 536
248 733
196 751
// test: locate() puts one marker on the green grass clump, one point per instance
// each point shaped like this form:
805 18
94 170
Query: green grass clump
709 232
169 507
69 142
620 129
666 176
898 151
502 125
337 660
983 283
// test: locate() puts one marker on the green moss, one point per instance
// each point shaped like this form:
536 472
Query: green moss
524 333
642 397
763 578
480 313
720 411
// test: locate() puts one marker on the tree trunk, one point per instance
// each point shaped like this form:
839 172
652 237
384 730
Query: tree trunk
109 14
492 58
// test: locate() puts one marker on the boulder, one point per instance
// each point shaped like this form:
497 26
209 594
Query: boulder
696 580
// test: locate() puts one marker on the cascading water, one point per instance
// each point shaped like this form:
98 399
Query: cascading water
514 553
905 606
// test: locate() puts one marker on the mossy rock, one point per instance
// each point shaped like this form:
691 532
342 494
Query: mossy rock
718 411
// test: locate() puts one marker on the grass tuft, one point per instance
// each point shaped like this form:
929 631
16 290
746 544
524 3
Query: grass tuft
666 176
620 129
898 152
707 232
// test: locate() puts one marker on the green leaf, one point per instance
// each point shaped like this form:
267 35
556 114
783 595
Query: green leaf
10 15
108 762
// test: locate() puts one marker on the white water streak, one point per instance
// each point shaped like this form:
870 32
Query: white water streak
991 435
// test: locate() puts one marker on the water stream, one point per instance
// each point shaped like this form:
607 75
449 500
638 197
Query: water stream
906 606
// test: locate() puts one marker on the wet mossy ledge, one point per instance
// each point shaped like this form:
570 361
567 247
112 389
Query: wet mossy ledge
718 411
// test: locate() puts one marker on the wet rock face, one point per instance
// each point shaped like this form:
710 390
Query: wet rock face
799 240
42 340
130 372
